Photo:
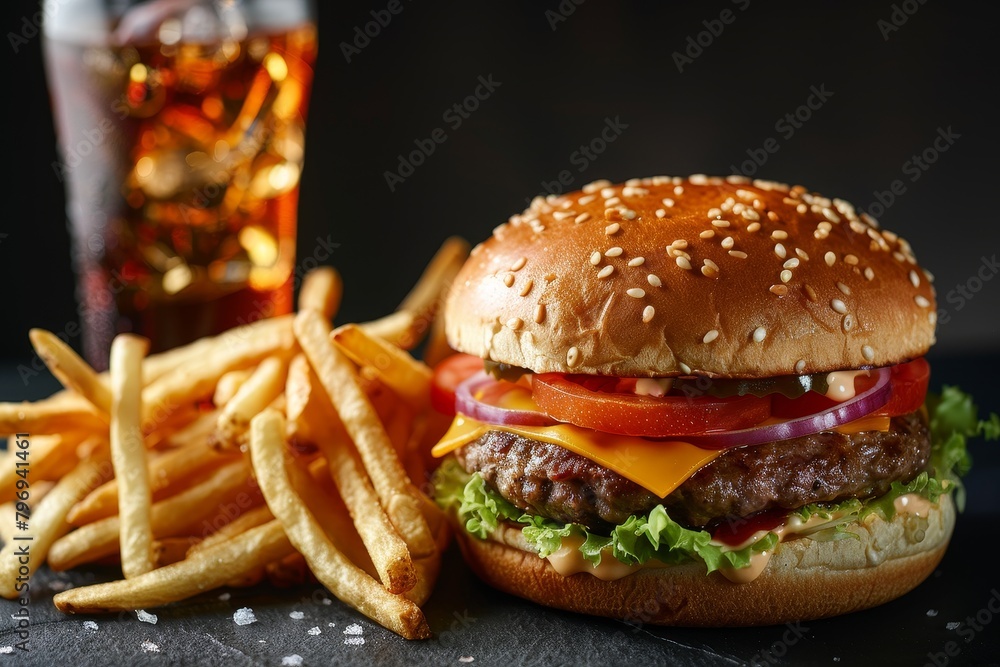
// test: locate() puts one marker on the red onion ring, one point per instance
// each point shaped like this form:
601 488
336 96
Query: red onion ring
467 404
850 410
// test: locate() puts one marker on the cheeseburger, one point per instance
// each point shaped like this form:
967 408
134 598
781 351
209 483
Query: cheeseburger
696 401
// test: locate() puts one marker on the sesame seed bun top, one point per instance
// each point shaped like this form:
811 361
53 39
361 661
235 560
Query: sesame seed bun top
669 276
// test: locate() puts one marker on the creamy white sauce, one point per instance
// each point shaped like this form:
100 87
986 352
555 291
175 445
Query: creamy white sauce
653 386
568 560
840 385
913 504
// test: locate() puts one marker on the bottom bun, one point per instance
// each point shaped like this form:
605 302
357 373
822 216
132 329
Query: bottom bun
805 579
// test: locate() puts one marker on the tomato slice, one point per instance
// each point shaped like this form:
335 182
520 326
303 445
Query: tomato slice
448 374
580 401
909 390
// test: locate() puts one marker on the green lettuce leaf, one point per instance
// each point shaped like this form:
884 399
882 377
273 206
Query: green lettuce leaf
655 536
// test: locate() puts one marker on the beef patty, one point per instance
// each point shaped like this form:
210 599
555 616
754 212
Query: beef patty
554 482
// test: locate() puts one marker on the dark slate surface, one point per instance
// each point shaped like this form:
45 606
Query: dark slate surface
953 611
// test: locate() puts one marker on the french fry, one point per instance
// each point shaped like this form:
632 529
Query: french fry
362 423
437 348
52 456
425 295
48 519
207 570
128 454
322 498
172 549
195 432
64 411
396 328
257 516
344 579
228 385
291 570
73 372
168 474
183 514
262 387
321 291
407 377
197 378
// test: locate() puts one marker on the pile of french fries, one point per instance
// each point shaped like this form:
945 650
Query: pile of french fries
274 447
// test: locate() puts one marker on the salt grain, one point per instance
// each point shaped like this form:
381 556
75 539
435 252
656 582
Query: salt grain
354 641
225 596
953 625
466 658
293 660
145 616
932 612
90 625
6 649
297 615
244 616
314 631
150 647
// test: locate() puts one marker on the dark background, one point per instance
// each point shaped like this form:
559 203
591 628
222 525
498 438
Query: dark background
559 82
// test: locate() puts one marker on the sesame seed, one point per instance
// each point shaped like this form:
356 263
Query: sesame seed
684 368
540 313
932 318
514 323
780 290
508 279
527 287
628 214
869 273
679 190
739 208
654 280
792 263
728 242
922 301
803 255
780 251
519 264
759 334
679 243
857 227
720 223
801 208
583 217
709 263
562 215
868 352
710 336
612 201
779 235
714 213
839 306
661 213
830 258
636 261
773 217
595 258
636 292
647 313
606 271
698 179
786 276
800 365
825 226
684 263
572 357
750 214
607 192
709 271
583 201
753 227
847 323
613 252
668 202
629 191
851 259
914 278
844 288
739 254
811 293
612 228
707 234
